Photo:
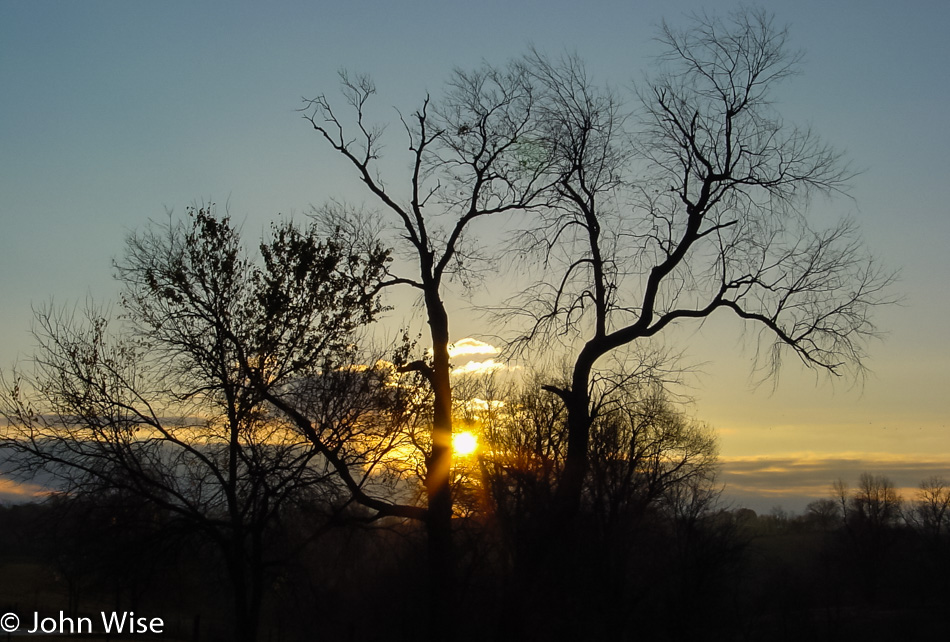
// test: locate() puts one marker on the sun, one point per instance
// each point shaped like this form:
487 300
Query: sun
464 443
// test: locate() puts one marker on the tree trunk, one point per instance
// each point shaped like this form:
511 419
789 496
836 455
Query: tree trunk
246 600
570 486
438 488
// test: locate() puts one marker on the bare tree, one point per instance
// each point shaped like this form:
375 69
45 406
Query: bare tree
642 450
524 433
651 468
183 403
930 510
824 513
467 162
872 514
875 502
841 492
703 207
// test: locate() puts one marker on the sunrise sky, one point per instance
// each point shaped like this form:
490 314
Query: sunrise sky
113 112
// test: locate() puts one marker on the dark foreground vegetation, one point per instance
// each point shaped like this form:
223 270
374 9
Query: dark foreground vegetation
675 572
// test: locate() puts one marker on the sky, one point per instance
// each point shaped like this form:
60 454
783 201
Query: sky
113 113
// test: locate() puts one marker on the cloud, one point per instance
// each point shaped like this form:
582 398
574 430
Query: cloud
482 405
471 346
802 477
479 367
17 492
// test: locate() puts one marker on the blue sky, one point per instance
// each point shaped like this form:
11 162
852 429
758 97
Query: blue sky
113 112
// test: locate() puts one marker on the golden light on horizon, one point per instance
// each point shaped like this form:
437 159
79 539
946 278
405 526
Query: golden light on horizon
464 443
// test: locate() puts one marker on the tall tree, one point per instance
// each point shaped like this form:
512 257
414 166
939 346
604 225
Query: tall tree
173 406
466 156
702 207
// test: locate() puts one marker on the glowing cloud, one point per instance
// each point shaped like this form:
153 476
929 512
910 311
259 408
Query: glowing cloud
479 367
471 346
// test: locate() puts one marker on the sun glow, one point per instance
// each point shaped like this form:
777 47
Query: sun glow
464 443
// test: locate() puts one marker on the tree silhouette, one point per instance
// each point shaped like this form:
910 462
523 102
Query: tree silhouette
465 154
930 510
702 207
871 514
182 404
652 480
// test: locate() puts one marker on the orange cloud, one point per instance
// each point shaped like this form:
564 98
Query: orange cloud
12 491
